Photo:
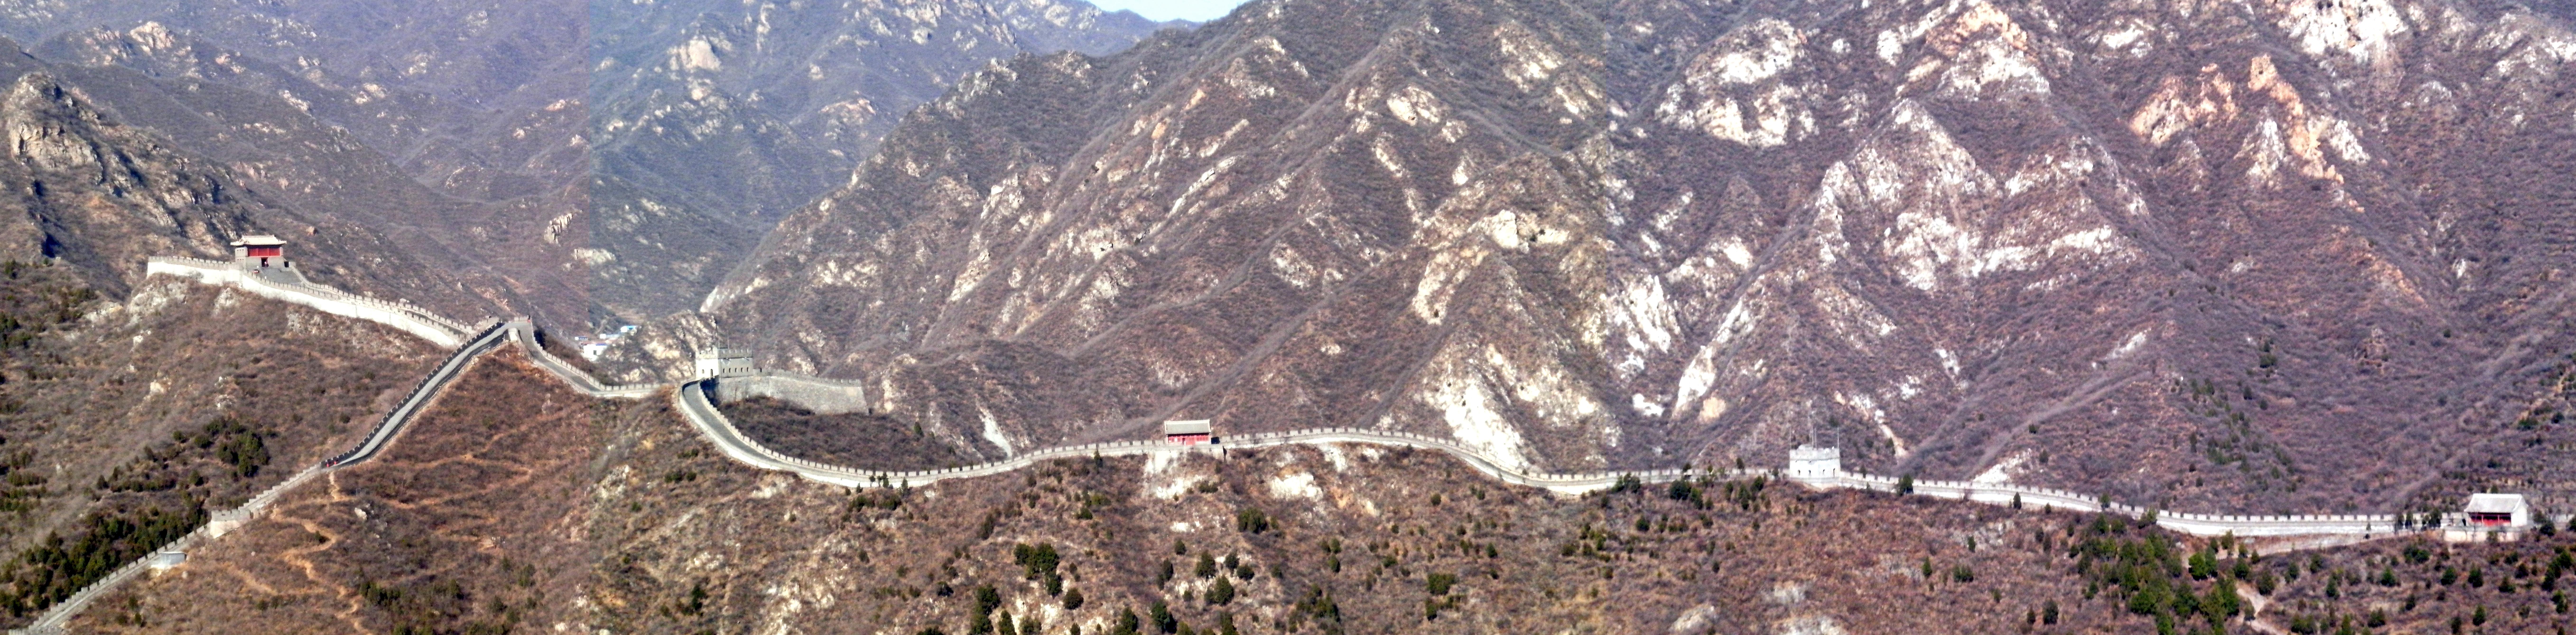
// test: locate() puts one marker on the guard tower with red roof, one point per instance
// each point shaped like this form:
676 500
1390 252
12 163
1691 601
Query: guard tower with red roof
261 251
1191 432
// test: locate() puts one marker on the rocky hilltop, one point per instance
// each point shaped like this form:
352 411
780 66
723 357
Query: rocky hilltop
2239 255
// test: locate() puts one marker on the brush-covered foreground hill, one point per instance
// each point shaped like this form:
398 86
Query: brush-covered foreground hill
515 506
123 423
2248 256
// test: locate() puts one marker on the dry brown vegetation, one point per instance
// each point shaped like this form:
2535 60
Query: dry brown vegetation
2425 586
471 522
514 506
861 440
118 429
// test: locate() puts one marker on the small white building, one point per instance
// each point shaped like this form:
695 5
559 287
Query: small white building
2506 511
723 362
1808 461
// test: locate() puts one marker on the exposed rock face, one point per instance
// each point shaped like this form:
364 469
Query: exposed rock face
464 130
2244 256
453 127
84 186
715 119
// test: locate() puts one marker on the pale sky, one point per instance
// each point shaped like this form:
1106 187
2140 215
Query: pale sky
1195 10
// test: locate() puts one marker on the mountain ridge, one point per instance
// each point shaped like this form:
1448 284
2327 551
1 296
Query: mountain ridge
1714 231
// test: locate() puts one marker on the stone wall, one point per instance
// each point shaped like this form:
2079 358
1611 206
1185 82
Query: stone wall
410 319
823 396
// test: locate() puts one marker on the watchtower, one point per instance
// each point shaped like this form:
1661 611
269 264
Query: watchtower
1807 461
717 361
1190 432
2503 511
260 250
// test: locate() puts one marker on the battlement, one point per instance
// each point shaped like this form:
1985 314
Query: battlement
286 285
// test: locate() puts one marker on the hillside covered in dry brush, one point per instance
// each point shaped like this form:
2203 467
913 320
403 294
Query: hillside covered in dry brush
515 506
123 423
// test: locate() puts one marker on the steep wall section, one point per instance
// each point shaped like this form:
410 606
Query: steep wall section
180 398
400 315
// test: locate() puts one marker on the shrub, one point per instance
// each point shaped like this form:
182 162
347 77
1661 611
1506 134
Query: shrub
1439 583
1251 521
1221 592
1126 624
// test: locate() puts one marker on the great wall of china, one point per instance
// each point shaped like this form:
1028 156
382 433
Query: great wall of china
697 402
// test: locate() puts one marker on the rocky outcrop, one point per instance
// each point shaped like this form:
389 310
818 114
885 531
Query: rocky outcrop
2242 259
715 119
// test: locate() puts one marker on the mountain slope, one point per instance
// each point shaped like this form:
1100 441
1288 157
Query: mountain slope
2265 257
714 119
87 186
163 404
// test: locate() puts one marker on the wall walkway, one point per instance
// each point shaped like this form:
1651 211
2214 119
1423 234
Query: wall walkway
696 401
287 285
475 342
693 400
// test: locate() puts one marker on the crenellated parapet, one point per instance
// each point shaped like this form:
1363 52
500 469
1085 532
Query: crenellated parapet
289 285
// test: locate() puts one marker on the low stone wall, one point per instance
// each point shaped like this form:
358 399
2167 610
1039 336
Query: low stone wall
823 396
2195 524
410 319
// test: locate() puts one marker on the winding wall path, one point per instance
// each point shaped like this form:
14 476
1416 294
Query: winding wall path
693 401
485 338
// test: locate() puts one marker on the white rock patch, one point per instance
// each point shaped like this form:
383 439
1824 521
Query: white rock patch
1297 485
